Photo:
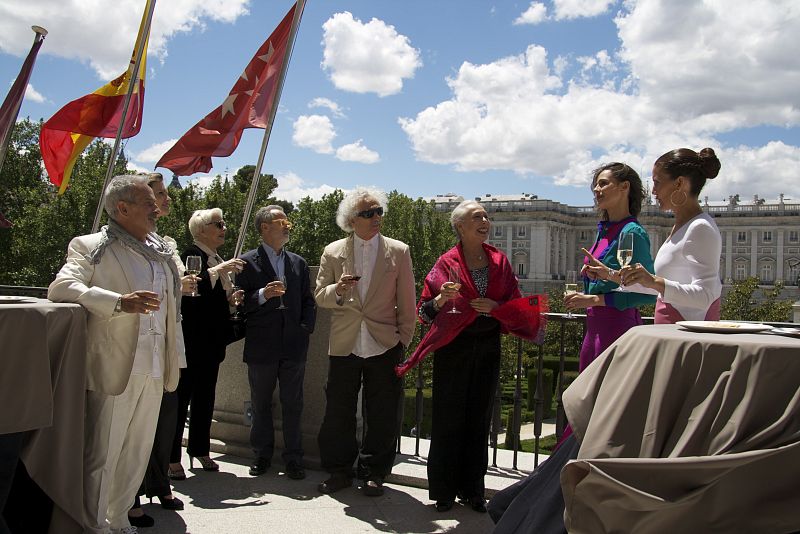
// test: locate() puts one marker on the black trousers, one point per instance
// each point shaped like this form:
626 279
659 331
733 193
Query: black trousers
197 386
465 374
382 395
10 447
288 374
156 482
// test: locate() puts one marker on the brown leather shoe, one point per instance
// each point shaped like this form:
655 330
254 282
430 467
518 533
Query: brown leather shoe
336 482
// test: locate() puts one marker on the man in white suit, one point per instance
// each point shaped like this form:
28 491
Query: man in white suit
125 278
368 281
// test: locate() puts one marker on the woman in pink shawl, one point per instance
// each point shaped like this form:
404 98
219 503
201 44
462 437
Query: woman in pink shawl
466 362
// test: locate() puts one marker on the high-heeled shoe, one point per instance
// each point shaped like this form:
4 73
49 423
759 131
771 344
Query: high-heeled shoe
173 503
205 462
176 474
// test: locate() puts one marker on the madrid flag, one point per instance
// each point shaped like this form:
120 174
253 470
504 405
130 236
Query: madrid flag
248 105
99 114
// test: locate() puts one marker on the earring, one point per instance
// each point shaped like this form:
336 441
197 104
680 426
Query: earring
682 202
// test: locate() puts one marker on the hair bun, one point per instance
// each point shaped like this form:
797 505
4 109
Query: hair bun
709 163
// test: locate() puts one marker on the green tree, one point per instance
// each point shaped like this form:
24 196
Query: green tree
315 226
740 303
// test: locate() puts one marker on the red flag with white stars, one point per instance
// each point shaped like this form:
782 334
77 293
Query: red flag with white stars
247 106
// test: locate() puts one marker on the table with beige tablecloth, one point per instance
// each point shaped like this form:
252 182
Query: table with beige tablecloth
42 393
685 431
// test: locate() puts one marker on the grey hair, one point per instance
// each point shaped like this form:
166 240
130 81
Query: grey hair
154 177
264 215
347 207
460 212
200 219
121 188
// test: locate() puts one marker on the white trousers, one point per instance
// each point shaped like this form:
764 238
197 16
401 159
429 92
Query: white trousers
119 434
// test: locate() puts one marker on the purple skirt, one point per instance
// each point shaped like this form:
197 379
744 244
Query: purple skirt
604 325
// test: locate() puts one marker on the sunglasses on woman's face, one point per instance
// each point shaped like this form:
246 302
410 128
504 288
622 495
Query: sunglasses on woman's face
370 213
218 224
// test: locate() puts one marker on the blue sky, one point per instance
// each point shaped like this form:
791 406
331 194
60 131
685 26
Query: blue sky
440 96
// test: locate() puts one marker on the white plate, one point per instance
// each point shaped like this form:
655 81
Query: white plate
724 327
10 299
788 331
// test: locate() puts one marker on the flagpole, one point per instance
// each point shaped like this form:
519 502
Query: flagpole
6 136
251 197
131 85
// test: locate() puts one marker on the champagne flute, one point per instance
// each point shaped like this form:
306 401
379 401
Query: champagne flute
193 266
282 280
152 329
625 250
454 278
237 314
570 287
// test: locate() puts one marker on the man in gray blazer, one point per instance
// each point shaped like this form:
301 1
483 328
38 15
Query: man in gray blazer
368 281
126 279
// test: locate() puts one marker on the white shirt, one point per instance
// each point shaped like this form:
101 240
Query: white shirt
689 264
149 276
364 258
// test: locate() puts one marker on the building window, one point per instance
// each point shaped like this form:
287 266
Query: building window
794 272
498 231
520 231
742 237
583 235
767 237
520 269
793 236
741 271
766 273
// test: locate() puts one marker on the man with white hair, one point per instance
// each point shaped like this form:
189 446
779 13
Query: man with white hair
368 281
126 279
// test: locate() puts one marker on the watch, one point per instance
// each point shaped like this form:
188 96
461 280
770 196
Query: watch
118 305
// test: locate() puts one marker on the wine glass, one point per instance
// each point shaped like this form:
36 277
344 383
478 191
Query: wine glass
193 266
454 278
282 280
570 287
237 314
625 250
152 329
350 276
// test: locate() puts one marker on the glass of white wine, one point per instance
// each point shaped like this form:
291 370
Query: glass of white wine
570 286
282 280
193 266
454 278
625 250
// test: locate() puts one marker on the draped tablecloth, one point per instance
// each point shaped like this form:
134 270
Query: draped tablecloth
684 431
42 393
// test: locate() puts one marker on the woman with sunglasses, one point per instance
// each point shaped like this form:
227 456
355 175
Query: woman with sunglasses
206 331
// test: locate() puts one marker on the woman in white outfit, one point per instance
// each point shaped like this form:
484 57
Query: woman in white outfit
687 264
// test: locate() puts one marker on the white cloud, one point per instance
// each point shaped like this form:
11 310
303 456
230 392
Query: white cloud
153 153
34 95
685 85
321 102
200 180
536 13
367 58
315 132
293 188
357 152
573 9
107 52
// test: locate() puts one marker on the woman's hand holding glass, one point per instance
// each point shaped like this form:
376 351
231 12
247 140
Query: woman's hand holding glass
637 274
189 284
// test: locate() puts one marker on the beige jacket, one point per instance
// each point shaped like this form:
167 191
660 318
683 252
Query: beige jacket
111 337
389 306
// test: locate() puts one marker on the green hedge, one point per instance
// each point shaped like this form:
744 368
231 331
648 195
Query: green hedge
409 411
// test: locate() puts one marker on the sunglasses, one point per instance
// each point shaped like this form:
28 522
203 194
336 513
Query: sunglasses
370 213
218 224
283 222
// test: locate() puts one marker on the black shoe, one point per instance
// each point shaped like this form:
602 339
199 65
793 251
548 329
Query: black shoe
336 482
295 471
170 504
141 521
373 488
443 506
259 467
478 504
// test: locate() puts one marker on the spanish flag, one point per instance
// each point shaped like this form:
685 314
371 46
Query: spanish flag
74 126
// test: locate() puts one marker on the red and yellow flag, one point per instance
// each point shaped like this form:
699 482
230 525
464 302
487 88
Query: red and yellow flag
64 137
